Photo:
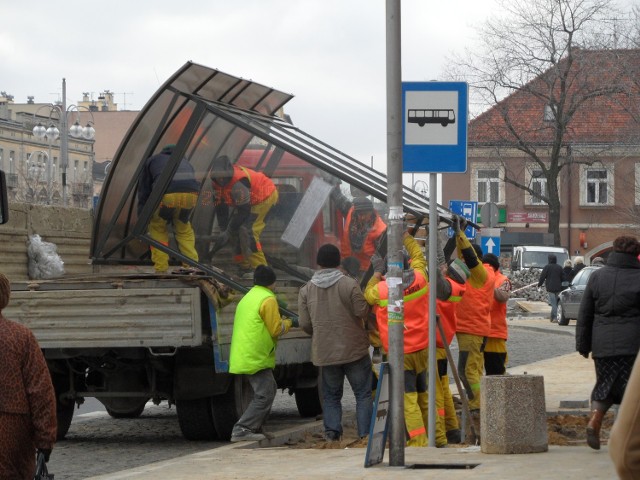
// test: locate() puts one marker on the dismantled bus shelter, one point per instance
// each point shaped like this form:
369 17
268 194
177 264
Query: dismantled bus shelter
207 113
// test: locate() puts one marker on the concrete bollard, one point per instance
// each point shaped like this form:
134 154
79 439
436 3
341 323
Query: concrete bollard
513 417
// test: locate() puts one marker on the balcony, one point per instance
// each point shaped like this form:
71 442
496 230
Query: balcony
82 189
12 180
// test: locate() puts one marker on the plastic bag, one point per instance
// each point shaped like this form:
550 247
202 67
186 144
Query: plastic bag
44 261
42 472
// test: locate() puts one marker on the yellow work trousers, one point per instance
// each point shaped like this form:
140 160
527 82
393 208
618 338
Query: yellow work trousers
495 356
415 397
158 229
446 418
258 212
471 365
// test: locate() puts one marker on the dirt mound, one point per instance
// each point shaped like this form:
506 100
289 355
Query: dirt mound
562 429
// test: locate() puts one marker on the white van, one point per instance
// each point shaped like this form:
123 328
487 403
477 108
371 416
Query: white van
534 256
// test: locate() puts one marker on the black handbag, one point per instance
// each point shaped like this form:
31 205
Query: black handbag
42 473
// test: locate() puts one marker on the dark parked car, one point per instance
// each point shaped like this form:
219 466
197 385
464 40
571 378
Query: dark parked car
569 303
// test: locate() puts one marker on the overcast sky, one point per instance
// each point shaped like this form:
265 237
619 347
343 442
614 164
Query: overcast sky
330 54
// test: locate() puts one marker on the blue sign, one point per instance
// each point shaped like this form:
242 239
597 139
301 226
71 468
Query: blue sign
468 210
490 245
434 126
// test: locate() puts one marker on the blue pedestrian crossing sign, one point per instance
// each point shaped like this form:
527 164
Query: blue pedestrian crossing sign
490 245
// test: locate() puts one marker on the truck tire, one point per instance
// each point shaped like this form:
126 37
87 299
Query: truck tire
229 407
194 417
64 415
308 401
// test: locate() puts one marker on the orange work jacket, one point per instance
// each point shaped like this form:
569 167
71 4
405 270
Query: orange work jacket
499 312
416 314
473 312
369 245
447 311
261 186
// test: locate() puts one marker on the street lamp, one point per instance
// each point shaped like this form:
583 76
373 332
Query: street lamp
52 132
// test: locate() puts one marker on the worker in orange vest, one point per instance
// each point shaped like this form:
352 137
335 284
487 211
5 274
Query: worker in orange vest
495 350
249 195
415 286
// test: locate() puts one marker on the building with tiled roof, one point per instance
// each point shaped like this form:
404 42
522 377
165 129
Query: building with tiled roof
598 158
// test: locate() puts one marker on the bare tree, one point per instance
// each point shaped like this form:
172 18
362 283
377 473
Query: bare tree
562 56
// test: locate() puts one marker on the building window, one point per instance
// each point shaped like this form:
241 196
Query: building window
537 182
75 170
597 186
1 159
548 115
12 161
487 183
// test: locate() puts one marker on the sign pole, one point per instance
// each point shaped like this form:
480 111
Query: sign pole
395 309
433 265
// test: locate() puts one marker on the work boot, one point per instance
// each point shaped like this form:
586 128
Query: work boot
593 429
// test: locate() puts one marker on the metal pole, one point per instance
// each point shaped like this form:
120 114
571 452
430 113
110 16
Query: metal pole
395 309
433 265
49 174
64 139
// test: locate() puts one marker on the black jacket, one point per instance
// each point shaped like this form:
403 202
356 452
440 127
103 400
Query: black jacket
551 276
609 317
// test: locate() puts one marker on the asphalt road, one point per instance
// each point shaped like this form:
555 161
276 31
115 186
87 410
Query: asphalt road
98 444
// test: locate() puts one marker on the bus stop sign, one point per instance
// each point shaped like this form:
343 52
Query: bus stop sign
434 126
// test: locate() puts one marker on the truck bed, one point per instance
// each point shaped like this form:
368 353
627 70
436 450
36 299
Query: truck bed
111 312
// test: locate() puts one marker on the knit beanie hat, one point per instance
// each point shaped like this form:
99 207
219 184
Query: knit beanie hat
362 204
328 256
264 276
5 291
458 271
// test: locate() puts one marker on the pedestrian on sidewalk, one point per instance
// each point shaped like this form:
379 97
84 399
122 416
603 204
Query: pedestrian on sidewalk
551 276
567 273
332 309
609 328
27 398
256 328
624 440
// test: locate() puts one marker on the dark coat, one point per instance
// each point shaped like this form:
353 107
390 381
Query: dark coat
551 276
567 274
609 317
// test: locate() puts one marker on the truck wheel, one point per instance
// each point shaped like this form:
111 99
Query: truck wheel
64 415
308 401
194 417
64 408
228 407
135 413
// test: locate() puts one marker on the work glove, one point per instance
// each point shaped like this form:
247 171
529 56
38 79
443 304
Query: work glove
46 453
456 224
378 263
166 213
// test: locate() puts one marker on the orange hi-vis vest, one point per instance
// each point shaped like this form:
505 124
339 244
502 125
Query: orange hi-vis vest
499 312
369 245
473 313
416 314
447 311
261 186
